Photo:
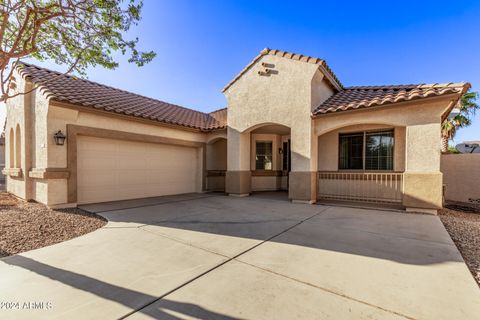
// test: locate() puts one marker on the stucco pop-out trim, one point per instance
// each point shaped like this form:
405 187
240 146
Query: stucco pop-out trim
49 173
73 131
13 172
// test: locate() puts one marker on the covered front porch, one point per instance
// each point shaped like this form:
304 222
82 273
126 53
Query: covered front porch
362 163
369 144
369 163
388 156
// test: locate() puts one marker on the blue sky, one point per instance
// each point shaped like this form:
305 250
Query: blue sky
201 45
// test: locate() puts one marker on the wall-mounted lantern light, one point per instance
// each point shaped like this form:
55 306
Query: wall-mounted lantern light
59 138
280 150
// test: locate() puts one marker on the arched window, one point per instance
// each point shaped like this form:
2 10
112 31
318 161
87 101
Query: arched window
18 148
11 150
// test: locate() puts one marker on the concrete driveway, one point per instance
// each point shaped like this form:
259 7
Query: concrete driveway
217 257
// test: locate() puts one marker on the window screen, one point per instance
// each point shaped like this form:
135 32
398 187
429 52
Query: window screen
379 151
351 151
366 150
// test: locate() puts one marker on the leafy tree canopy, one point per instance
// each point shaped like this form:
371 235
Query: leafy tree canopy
76 33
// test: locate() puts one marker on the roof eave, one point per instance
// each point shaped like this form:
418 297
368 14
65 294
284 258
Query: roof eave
323 68
65 104
387 105
454 102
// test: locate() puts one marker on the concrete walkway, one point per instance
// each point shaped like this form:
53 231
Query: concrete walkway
217 257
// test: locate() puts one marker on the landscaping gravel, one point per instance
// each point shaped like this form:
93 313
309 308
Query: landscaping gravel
464 229
26 225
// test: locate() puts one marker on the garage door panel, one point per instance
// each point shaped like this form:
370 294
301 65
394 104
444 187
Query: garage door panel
96 145
109 170
133 177
93 192
95 178
99 164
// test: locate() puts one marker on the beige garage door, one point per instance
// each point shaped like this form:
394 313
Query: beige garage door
109 170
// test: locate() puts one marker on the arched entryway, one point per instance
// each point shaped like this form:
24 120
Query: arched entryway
259 159
270 160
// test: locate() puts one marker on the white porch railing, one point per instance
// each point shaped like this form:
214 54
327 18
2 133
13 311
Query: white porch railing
378 187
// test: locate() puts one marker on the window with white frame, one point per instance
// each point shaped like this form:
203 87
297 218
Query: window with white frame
263 155
366 150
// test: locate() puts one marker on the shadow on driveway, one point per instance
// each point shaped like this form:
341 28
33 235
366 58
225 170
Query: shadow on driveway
130 298
406 238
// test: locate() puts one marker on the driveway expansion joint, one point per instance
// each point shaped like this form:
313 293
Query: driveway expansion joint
330 291
147 205
233 258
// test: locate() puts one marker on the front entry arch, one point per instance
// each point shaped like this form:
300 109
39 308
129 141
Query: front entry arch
258 159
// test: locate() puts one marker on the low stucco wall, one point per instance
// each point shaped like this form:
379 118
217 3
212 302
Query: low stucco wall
260 183
461 176
217 155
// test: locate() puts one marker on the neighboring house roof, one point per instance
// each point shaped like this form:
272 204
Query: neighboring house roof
370 96
320 62
72 90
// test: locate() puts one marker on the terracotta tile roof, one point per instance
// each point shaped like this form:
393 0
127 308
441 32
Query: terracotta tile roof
320 62
68 89
369 96
218 118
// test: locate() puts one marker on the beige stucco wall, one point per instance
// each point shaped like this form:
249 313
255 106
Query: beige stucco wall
328 146
321 90
285 97
217 155
260 183
461 176
19 115
30 113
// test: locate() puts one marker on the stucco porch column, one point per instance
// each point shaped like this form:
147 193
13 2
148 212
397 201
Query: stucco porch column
238 175
422 178
303 179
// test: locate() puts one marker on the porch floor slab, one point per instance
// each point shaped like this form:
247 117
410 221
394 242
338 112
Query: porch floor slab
219 257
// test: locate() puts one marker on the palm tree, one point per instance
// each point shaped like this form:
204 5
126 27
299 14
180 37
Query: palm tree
468 107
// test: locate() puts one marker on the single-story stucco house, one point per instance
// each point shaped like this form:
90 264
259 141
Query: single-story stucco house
289 124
